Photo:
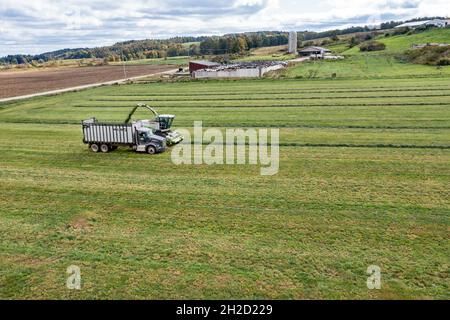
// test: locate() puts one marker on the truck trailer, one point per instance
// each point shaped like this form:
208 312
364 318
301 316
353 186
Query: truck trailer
106 137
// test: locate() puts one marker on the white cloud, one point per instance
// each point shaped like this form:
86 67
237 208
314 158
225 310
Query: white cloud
42 25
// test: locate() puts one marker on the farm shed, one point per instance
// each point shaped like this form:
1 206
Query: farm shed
201 64
315 52
240 70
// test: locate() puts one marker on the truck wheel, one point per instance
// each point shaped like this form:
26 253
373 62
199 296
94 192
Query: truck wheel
104 148
94 147
151 150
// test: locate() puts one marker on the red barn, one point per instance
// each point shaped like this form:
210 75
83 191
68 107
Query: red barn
201 64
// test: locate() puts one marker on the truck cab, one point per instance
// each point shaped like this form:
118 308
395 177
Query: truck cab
147 141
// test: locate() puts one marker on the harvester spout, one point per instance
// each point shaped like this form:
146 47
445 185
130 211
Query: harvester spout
141 105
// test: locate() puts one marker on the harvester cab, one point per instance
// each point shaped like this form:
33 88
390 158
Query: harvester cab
165 121
160 125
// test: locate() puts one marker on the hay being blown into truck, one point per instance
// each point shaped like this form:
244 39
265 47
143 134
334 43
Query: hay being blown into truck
150 136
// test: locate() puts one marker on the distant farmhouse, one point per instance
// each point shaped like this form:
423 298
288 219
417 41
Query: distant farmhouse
428 23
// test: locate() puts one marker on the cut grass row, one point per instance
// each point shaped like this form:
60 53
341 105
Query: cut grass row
156 90
399 116
256 97
350 137
275 101
205 86
417 90
344 92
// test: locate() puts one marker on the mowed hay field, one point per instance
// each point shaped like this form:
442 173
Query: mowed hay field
363 180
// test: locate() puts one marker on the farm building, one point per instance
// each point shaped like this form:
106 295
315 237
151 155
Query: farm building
423 24
239 70
201 64
314 52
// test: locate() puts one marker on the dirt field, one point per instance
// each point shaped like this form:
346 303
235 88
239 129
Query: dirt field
14 84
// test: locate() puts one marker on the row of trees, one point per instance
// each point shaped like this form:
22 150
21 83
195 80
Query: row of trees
239 43
129 50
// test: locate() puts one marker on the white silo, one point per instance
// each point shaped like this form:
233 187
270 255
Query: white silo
292 47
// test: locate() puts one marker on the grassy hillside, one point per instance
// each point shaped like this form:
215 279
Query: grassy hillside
363 180
366 66
377 64
400 43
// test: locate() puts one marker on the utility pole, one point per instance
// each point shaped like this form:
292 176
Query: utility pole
124 69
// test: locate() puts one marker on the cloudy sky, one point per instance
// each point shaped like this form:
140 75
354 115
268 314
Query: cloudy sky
36 26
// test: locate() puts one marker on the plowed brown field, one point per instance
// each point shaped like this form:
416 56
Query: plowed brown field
18 83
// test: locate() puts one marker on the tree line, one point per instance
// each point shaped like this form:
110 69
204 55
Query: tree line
239 43
128 50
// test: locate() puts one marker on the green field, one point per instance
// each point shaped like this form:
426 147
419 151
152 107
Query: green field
367 65
364 175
